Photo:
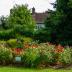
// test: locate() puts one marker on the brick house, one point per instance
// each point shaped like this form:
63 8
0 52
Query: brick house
39 18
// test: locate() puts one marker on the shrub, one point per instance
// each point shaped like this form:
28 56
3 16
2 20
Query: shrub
27 40
29 57
18 43
47 53
12 43
19 29
42 35
3 43
65 57
5 55
43 54
7 34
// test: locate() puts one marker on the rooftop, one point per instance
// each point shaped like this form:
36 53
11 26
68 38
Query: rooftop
39 17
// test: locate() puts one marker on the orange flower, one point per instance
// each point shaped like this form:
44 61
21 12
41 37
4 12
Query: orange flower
34 46
26 45
59 49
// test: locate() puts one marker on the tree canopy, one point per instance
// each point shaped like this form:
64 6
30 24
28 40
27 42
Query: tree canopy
3 23
60 22
20 16
19 23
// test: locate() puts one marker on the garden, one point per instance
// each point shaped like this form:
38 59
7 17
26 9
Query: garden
33 54
27 55
22 48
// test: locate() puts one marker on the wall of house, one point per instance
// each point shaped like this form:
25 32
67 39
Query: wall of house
40 25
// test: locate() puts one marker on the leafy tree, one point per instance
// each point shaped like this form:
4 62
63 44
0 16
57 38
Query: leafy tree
64 28
50 24
3 22
20 18
70 3
60 22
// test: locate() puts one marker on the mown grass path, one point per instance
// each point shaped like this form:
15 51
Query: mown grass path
19 69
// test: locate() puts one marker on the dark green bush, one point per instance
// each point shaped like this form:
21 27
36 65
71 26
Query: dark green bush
16 32
19 29
42 35
7 34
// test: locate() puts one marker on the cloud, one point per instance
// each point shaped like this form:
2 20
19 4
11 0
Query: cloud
40 5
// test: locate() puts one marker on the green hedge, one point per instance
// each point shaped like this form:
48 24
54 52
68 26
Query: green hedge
7 34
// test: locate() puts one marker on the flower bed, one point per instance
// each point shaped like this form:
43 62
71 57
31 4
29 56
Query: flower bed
37 55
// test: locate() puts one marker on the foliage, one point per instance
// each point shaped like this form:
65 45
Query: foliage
59 23
42 54
33 54
7 34
20 31
20 18
3 43
65 57
12 43
29 57
5 55
27 39
3 23
70 3
42 36
19 22
64 29
47 53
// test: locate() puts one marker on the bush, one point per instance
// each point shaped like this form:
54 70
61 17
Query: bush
3 43
42 36
29 57
47 54
18 43
7 34
19 29
27 40
12 43
5 55
43 54
65 57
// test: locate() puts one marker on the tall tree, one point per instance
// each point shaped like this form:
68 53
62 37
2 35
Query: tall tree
21 19
61 22
64 28
3 22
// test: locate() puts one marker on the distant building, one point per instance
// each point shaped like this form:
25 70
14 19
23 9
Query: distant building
39 18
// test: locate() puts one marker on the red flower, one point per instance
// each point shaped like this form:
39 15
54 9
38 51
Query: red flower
16 51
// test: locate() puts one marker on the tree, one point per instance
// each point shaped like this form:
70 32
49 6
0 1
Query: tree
3 22
70 3
49 25
20 18
64 28
60 22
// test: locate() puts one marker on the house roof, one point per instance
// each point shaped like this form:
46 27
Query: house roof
39 17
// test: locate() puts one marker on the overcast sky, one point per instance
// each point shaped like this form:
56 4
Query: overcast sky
40 5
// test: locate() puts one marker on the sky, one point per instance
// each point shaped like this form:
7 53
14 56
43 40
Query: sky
40 5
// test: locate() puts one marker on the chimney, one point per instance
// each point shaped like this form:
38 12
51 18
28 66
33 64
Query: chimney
33 10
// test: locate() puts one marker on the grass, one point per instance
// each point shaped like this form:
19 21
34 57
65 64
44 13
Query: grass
19 69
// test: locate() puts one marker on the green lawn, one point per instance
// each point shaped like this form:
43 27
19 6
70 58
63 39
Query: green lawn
18 69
